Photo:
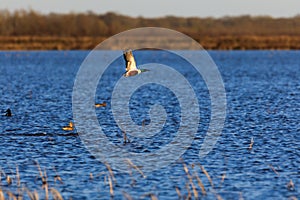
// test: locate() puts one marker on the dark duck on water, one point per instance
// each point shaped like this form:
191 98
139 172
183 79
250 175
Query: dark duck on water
8 113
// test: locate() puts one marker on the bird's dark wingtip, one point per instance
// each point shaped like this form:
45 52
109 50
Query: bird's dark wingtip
145 70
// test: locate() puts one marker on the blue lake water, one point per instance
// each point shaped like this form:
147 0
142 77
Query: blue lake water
263 103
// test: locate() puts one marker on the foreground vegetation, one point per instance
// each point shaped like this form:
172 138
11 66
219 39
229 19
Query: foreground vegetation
196 183
13 187
28 29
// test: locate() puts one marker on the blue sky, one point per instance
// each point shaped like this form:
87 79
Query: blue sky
158 8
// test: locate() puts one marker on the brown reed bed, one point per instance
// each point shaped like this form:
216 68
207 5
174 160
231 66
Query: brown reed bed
249 42
48 42
242 42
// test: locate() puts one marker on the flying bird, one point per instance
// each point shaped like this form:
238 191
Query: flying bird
131 69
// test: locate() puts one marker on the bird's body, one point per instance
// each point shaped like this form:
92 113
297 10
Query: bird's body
69 128
97 105
131 69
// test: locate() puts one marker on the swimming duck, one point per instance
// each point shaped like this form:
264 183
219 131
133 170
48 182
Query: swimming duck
131 69
69 128
98 105
8 113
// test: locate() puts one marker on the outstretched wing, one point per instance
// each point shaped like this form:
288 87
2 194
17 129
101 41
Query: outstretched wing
129 59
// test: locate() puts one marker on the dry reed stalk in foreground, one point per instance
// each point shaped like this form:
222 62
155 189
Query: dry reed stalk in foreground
207 175
274 170
126 195
241 196
18 177
153 197
44 181
211 182
133 181
178 192
135 167
292 198
1 194
56 195
11 195
111 189
188 190
57 177
110 172
191 181
45 185
20 192
33 195
200 184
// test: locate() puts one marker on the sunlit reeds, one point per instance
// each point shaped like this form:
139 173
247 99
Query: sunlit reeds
111 188
111 173
135 167
207 175
1 195
195 187
110 178
195 192
14 190
43 176
198 184
56 195
33 195
178 192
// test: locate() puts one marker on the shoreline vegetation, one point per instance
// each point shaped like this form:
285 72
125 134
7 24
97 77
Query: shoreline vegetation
31 30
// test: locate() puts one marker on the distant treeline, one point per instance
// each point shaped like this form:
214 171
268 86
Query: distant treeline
242 32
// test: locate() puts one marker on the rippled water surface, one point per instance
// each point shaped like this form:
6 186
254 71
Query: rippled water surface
263 103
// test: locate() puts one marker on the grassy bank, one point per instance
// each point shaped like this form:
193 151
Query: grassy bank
47 43
84 43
